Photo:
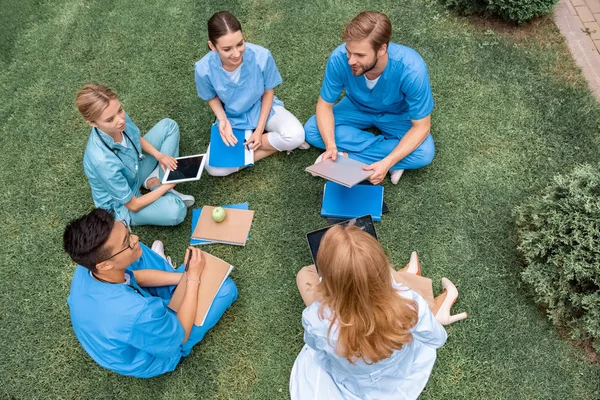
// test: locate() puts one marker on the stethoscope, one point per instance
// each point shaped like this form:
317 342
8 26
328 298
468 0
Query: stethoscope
139 154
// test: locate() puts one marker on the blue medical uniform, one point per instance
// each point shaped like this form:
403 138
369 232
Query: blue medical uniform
117 172
129 329
401 94
241 100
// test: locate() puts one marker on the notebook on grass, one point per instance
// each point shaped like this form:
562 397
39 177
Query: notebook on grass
233 230
196 216
333 221
212 278
344 171
223 156
343 202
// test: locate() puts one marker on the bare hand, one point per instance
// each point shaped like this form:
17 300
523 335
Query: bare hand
155 182
380 168
255 140
166 161
330 152
196 262
227 133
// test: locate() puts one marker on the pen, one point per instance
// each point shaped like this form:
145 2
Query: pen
187 264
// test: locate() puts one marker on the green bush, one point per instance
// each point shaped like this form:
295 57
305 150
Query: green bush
559 238
519 11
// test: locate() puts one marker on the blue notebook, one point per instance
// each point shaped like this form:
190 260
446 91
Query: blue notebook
223 156
196 215
343 202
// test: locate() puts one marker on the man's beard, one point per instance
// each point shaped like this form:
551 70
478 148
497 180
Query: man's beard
364 70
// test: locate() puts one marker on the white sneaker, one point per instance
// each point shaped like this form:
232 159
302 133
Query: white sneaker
304 146
395 176
188 200
153 174
159 248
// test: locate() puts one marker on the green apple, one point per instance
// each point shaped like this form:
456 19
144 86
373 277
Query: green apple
218 214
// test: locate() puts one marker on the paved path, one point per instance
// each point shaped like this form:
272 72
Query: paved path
579 22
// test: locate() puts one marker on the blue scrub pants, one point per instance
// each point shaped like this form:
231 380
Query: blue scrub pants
364 146
225 297
168 210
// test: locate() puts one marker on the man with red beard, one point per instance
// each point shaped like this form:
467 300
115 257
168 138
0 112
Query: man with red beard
387 87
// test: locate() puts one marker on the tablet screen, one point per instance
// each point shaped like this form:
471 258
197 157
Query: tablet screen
187 168
314 238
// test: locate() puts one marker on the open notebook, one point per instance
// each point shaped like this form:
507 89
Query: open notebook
214 274
233 230
223 156
344 171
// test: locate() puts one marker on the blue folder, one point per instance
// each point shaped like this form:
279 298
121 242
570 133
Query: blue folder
343 202
223 156
196 216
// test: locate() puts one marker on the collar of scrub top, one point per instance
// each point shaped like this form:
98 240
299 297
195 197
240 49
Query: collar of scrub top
247 59
99 134
127 282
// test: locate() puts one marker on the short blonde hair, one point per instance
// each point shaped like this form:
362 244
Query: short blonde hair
372 319
371 25
92 100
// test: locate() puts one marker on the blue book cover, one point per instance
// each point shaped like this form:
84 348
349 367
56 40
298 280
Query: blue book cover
223 156
343 202
196 215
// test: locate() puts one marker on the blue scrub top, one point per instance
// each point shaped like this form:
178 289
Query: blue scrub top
114 181
242 100
403 87
125 331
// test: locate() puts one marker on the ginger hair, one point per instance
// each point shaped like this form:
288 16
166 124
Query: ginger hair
372 320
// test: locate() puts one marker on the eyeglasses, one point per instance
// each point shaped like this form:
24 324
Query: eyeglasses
129 242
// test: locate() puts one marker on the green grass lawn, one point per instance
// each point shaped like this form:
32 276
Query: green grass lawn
511 112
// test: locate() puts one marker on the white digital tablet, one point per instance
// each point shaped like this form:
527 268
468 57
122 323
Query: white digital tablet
189 168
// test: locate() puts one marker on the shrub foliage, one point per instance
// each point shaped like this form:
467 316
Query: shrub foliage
559 238
519 11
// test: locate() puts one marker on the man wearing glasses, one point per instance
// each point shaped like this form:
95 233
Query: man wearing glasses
119 296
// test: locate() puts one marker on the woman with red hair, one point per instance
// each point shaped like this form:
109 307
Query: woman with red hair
367 335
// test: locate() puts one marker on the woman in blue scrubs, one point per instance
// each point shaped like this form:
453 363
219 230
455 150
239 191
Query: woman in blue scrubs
118 161
238 79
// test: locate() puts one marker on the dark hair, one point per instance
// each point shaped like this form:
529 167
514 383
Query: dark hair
222 23
84 238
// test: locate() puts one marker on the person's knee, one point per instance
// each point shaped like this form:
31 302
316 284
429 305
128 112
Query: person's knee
171 127
229 290
293 136
427 151
216 171
175 212
311 132
306 274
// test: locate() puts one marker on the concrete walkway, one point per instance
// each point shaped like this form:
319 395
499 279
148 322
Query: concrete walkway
579 22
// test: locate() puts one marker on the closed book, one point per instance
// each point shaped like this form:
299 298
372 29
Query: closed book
196 216
343 202
344 171
233 230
